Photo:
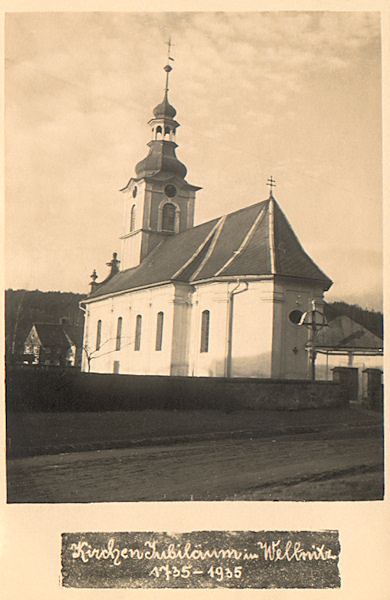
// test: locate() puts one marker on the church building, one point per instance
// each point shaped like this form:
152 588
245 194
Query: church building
222 299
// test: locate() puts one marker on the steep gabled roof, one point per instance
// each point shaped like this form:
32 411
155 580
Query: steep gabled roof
53 335
75 333
253 241
345 334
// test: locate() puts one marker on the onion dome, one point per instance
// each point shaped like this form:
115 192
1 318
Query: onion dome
161 158
164 110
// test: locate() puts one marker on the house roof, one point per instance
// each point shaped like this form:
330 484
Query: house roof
75 332
345 334
253 241
53 334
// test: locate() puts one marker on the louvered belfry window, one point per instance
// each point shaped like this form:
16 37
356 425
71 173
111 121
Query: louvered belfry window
119 334
159 330
138 326
98 335
205 329
168 217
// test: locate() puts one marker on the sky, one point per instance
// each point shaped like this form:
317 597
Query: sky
295 95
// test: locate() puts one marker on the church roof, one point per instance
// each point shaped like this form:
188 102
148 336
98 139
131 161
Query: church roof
164 110
161 159
253 241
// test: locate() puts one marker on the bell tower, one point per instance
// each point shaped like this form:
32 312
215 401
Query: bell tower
159 202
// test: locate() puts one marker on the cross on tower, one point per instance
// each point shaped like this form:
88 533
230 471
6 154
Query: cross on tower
168 67
169 44
272 183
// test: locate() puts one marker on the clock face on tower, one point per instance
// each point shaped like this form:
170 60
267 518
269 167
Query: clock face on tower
170 190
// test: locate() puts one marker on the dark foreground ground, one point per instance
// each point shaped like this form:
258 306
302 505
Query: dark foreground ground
334 454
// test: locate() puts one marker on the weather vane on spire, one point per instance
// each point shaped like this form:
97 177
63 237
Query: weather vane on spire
168 67
272 183
169 44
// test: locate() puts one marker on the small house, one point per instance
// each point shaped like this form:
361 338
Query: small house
54 344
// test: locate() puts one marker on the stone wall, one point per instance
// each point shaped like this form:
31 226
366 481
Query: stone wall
32 388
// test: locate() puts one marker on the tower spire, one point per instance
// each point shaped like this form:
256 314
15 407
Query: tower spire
168 67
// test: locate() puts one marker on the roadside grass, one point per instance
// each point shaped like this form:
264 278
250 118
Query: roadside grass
30 434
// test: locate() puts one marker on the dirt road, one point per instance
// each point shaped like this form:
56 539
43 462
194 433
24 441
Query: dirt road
210 470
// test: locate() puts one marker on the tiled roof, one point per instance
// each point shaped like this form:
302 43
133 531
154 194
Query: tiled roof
75 332
345 334
255 241
53 335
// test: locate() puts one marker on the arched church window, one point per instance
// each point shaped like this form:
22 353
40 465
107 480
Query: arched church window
168 217
119 334
159 330
158 131
132 217
138 325
205 330
98 334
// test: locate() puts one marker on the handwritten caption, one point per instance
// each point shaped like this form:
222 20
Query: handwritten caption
237 559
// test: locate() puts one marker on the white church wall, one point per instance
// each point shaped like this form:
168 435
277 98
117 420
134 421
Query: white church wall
290 359
214 298
100 361
265 343
138 200
132 240
131 250
182 306
147 303
252 330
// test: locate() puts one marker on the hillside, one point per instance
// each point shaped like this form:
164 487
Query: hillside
23 308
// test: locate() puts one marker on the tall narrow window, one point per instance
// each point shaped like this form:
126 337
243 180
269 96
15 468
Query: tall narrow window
132 217
168 217
159 330
119 334
98 335
205 329
138 325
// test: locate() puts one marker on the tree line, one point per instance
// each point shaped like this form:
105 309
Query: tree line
370 319
24 307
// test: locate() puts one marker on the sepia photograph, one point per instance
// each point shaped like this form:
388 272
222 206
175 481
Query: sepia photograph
193 257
